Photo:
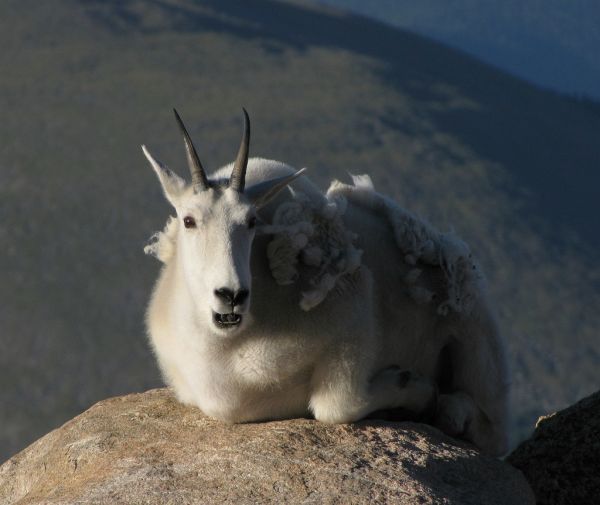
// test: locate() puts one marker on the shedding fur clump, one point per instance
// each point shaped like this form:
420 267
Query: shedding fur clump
420 243
162 243
313 234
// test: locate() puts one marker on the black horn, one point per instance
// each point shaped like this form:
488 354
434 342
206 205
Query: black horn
238 175
199 180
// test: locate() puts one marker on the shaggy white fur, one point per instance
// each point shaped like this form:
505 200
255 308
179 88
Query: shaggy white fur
347 304
304 230
162 243
311 233
420 243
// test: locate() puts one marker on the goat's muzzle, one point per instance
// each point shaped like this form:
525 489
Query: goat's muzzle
227 321
232 299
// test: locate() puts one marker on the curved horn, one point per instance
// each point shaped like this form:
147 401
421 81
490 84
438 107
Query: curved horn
238 175
199 180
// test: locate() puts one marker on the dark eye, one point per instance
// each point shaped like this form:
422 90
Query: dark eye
189 222
252 222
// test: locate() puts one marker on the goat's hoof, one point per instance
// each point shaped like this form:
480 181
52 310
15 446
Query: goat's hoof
450 416
423 393
429 412
404 377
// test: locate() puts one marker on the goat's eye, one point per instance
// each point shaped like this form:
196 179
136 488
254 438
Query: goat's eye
252 222
189 222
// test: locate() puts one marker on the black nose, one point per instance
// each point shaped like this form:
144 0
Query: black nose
229 297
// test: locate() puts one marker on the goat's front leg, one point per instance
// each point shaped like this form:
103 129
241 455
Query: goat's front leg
345 397
346 386
411 393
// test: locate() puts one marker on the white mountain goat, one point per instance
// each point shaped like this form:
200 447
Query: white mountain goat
279 302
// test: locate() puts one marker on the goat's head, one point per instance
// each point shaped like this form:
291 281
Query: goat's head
216 227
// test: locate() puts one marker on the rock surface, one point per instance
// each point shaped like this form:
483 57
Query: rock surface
148 448
561 460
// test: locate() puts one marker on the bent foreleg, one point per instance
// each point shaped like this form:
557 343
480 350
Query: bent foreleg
339 399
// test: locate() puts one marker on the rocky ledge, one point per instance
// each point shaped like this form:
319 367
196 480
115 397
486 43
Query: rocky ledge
148 448
561 460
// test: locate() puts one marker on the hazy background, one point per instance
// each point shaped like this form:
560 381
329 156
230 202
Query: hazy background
512 167
552 43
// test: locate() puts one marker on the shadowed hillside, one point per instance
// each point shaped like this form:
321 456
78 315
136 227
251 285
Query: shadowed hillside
513 169
549 42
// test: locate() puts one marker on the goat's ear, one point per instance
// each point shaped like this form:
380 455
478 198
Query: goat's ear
263 192
172 184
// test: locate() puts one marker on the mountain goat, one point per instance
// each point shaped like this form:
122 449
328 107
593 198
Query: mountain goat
278 301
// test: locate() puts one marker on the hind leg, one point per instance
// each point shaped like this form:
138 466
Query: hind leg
459 416
454 413
474 404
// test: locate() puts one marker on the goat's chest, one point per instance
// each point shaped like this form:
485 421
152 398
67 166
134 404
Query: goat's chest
271 361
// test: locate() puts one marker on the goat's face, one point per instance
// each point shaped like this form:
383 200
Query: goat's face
216 227
215 232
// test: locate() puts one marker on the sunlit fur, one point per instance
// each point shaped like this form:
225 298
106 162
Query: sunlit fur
414 302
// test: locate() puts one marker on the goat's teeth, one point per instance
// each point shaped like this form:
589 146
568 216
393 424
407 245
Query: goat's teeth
229 319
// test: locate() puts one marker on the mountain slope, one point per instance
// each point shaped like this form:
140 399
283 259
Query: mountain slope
510 167
549 42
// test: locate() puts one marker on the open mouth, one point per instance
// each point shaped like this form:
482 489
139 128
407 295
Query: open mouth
227 321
